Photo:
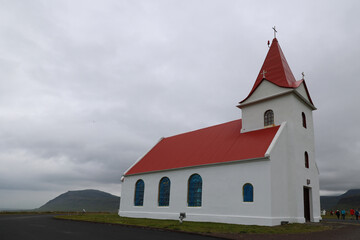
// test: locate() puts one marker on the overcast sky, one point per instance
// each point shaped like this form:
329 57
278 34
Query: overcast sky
87 87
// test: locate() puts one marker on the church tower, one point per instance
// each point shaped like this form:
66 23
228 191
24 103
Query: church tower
277 98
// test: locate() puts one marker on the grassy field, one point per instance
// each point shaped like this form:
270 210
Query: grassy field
23 212
197 227
328 216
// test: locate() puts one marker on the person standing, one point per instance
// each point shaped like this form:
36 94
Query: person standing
352 213
357 215
337 214
343 213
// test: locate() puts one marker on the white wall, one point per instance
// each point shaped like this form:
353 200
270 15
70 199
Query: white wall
266 89
222 199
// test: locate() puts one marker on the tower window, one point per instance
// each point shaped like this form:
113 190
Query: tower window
269 118
306 160
303 119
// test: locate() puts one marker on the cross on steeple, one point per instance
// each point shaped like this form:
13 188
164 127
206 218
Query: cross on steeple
274 31
263 73
303 75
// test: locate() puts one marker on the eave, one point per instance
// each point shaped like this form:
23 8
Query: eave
202 165
297 94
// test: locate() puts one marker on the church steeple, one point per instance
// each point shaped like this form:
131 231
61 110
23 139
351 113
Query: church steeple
275 69
277 90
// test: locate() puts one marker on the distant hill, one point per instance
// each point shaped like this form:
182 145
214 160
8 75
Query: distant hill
90 200
350 199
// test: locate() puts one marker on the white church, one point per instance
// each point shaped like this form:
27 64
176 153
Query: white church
258 170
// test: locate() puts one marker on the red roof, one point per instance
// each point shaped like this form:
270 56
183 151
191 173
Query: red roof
277 70
215 144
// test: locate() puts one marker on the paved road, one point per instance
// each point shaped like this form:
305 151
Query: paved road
41 227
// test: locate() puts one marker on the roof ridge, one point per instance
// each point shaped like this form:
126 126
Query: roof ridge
204 128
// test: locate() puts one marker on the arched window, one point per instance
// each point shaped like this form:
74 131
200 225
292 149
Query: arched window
306 160
303 119
164 192
268 118
248 192
194 190
139 193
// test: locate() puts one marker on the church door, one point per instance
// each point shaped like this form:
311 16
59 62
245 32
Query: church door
307 204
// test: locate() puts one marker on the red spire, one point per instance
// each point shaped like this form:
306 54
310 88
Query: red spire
275 69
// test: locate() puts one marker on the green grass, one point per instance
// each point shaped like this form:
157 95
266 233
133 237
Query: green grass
197 227
328 216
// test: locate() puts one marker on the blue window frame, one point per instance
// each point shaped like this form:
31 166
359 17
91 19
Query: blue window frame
164 192
248 192
139 193
194 190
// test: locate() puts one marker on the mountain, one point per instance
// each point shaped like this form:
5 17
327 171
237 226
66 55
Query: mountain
90 200
350 199
329 202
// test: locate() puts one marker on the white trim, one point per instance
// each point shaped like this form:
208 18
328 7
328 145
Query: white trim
273 142
143 155
317 168
241 105
304 100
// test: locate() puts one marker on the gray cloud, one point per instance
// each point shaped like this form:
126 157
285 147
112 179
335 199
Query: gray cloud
87 87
